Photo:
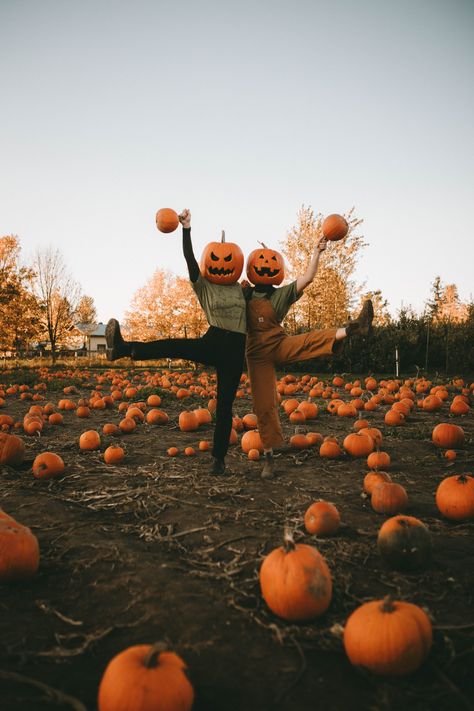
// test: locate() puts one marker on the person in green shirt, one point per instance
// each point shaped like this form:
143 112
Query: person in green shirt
223 344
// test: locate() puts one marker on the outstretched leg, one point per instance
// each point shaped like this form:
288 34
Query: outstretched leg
195 349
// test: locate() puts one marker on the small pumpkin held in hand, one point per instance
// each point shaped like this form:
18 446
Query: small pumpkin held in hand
145 678
167 220
335 227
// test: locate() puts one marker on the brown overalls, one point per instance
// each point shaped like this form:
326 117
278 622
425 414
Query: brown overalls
267 346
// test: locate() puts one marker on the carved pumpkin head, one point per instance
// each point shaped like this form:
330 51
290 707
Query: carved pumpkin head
222 262
265 266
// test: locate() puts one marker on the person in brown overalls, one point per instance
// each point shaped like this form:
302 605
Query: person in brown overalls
269 346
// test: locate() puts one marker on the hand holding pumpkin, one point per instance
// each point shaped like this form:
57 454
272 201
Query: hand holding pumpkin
321 244
185 218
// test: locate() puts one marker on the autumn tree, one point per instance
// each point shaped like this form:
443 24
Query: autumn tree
166 307
59 296
329 300
19 309
451 308
86 312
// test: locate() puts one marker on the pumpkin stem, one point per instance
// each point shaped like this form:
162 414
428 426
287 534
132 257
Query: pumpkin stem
288 542
223 236
263 245
151 659
462 479
387 604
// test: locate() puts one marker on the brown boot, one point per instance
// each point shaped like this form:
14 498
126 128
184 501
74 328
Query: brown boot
116 346
362 325
268 471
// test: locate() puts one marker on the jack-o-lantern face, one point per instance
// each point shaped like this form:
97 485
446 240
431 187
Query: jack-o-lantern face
265 266
222 262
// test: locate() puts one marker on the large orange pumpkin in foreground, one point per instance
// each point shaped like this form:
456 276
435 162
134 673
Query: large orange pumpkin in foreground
19 551
295 581
222 262
145 678
12 450
265 266
167 220
388 637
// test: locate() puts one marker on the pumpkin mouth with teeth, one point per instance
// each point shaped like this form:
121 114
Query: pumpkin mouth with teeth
266 271
222 262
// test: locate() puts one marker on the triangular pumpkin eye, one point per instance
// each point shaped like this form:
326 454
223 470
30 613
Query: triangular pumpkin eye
214 258
228 258
261 256
274 258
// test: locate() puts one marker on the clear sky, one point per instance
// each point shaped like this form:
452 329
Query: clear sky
241 111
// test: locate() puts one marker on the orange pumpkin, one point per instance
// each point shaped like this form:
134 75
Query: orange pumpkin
299 441
19 551
378 460
295 581
387 637
251 440
12 449
455 497
265 266
358 444
222 262
322 518
89 440
167 220
114 454
47 465
145 677
448 436
335 227
371 480
188 421
389 498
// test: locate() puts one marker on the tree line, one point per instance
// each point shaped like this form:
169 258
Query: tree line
41 302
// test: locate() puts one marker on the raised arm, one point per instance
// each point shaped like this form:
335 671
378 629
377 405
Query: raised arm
193 266
303 281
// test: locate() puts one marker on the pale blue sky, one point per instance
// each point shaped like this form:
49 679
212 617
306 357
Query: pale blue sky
241 111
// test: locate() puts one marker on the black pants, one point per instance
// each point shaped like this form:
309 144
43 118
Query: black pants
225 350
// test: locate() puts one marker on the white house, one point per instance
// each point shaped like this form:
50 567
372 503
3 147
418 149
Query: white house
92 336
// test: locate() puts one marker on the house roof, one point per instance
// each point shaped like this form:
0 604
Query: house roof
86 329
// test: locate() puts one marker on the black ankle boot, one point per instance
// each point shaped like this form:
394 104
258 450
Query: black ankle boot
362 325
116 346
218 467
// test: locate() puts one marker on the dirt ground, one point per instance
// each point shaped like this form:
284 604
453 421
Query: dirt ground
157 549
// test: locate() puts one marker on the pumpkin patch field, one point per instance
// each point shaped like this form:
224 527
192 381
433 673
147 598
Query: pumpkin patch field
346 582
